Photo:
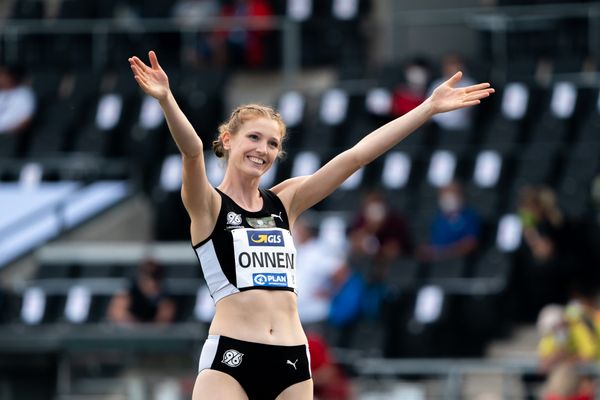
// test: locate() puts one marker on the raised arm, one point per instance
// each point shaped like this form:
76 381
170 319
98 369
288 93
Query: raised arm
301 194
197 193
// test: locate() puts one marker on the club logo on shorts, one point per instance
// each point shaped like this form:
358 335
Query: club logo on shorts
233 218
232 358
265 238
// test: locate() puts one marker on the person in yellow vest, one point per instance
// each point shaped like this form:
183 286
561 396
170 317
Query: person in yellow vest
570 336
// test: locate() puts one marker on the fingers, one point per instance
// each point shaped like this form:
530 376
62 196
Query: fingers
455 79
479 86
137 71
139 76
478 95
135 61
153 60
471 103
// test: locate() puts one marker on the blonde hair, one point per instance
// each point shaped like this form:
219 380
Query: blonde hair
237 118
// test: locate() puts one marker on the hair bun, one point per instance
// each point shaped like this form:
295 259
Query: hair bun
217 146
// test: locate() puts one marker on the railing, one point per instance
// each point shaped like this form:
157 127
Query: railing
454 372
13 31
180 254
499 21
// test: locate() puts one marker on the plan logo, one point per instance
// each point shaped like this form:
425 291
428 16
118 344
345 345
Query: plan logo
270 280
265 238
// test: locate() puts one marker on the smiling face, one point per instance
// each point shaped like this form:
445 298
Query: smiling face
254 147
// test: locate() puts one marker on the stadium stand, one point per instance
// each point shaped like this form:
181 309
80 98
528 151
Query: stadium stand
95 142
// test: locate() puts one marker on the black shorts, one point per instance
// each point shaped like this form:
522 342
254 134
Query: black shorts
262 370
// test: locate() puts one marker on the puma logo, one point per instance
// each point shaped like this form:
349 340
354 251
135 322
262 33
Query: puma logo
277 216
293 364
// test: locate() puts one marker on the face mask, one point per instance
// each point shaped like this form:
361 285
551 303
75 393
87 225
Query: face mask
528 220
416 76
450 203
375 212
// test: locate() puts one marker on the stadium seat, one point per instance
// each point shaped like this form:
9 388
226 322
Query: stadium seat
199 92
439 271
538 164
106 130
58 122
60 271
505 128
404 275
574 183
330 123
99 308
184 304
9 146
183 271
427 332
292 105
486 315
39 307
98 271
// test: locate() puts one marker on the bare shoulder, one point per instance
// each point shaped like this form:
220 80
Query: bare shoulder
286 191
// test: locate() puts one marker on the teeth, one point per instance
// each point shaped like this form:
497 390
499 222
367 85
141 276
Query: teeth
256 160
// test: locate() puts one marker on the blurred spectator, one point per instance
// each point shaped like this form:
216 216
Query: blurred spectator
346 306
245 47
413 90
564 383
330 381
569 337
543 251
316 277
378 236
553 330
17 100
583 318
190 13
145 300
455 230
378 233
457 120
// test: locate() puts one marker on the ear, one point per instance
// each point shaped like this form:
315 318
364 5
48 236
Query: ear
226 139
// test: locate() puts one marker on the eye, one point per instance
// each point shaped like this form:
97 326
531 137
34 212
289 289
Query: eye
274 144
253 136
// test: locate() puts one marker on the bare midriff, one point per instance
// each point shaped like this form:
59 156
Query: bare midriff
262 316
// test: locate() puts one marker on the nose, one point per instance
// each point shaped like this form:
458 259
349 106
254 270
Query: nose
261 147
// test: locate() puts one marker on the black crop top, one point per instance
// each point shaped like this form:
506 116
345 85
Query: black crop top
248 249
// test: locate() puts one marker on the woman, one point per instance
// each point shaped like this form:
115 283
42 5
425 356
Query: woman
256 347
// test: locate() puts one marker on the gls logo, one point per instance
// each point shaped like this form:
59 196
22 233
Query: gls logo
269 279
265 238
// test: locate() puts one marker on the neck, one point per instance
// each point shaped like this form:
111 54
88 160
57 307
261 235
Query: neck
244 191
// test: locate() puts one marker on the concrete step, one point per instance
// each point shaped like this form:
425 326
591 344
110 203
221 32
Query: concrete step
521 344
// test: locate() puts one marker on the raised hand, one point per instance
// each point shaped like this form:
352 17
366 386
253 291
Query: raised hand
447 97
153 80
